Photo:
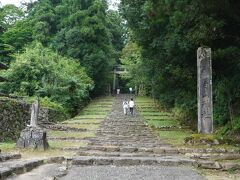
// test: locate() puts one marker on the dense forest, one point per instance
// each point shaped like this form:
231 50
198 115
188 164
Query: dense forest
65 50
163 39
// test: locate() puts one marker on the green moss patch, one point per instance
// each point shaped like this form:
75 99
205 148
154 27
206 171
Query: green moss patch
174 137
90 116
160 118
90 127
83 121
70 134
158 124
66 144
7 145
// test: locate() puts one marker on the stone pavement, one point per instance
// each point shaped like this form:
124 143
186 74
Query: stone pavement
124 148
131 173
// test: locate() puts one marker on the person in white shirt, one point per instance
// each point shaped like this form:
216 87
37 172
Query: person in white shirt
130 90
131 105
125 106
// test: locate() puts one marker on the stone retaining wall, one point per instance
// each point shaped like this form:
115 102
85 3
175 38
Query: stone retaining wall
15 115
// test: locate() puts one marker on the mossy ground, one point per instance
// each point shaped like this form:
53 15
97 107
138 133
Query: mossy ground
157 117
70 134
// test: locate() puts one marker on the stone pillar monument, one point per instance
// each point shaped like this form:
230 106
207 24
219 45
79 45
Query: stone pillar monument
205 107
34 114
114 81
33 136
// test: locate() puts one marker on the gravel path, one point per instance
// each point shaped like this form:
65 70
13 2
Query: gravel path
131 173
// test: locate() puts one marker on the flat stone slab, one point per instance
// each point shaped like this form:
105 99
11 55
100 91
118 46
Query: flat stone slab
18 166
9 156
129 161
44 172
131 173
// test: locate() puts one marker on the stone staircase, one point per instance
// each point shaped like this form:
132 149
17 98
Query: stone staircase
126 140
121 140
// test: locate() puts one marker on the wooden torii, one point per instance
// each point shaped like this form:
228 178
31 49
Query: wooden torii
118 70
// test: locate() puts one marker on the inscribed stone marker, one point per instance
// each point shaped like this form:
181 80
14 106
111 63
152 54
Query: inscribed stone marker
205 107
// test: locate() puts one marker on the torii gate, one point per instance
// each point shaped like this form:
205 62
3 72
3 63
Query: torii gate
118 70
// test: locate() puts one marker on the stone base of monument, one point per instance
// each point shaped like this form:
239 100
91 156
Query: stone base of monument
33 137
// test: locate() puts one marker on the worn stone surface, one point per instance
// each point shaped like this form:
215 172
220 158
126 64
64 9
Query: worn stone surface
205 107
9 156
230 166
33 137
131 173
123 134
18 166
34 114
45 172
209 165
128 161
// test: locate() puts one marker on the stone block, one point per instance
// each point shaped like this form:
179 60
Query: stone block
184 150
126 162
55 160
160 150
33 137
169 150
230 166
128 149
209 165
82 161
101 161
149 150
5 172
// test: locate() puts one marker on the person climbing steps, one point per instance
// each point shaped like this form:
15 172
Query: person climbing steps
131 106
125 106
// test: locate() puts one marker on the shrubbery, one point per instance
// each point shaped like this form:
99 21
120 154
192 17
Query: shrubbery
41 72
168 34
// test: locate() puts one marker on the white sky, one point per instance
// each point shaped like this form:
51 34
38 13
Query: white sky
16 2
113 3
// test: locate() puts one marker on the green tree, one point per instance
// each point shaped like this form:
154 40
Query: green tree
169 32
39 71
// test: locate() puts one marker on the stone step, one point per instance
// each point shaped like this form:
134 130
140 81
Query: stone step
68 139
44 172
162 161
128 149
207 150
129 143
121 154
9 156
215 156
65 128
18 166
79 123
128 161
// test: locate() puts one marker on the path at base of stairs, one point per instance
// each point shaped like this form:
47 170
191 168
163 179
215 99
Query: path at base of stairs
131 173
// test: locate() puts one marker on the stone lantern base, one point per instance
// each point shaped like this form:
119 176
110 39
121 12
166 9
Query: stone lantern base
33 137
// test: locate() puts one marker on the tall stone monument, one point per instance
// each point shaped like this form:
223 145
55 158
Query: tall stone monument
33 136
205 106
